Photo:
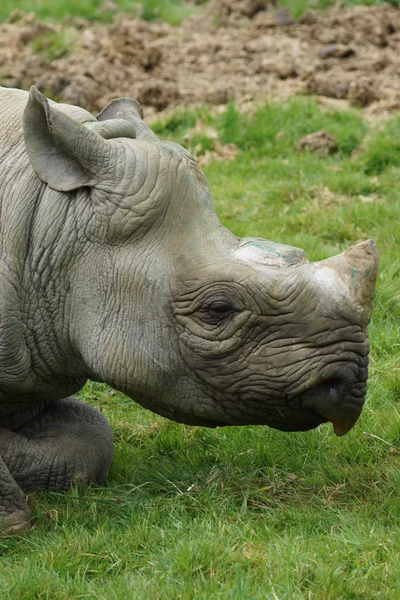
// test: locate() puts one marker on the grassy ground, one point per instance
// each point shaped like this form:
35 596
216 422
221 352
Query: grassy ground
240 514
172 11
297 7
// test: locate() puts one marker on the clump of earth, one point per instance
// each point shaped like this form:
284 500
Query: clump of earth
320 142
242 50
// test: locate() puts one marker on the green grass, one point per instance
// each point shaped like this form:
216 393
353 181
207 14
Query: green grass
54 45
171 11
252 513
298 7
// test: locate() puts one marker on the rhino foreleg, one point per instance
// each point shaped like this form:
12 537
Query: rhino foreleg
69 442
14 513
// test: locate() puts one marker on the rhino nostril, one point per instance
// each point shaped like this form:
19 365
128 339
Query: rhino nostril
329 391
334 387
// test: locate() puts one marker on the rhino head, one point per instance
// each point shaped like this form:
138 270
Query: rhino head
163 303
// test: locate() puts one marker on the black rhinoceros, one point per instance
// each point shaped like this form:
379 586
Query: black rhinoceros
114 267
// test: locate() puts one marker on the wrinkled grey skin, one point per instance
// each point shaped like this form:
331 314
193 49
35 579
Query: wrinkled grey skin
115 267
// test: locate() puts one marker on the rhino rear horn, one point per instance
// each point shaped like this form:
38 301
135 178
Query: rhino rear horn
64 153
129 110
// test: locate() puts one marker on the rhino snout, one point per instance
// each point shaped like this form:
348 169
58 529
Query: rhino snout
336 402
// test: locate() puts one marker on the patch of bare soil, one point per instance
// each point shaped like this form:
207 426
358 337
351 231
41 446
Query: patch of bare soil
234 49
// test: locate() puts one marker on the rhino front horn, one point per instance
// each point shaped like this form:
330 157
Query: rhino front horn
351 277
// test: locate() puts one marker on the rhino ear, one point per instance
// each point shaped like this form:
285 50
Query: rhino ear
63 152
131 111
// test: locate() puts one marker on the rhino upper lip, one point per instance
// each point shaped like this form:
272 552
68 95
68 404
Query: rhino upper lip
337 402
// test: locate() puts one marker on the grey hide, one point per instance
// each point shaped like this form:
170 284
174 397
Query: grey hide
114 267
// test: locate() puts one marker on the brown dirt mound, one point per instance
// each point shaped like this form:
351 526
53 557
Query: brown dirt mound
320 142
244 50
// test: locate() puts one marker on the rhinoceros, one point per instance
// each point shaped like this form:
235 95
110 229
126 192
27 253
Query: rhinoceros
115 268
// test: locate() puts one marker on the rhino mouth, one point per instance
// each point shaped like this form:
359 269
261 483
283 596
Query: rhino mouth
333 401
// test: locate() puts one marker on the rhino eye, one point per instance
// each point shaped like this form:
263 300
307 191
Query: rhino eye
216 311
221 307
